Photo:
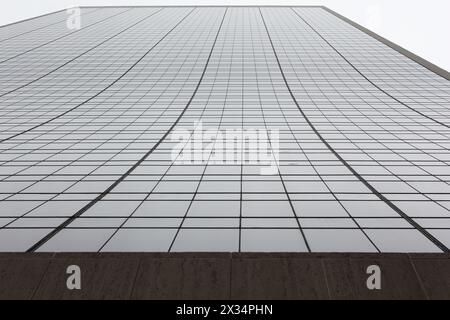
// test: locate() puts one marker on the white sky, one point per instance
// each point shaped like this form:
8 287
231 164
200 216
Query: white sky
420 26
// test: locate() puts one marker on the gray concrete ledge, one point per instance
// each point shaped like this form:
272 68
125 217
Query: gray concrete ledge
223 276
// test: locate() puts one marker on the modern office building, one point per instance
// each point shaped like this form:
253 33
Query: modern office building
90 114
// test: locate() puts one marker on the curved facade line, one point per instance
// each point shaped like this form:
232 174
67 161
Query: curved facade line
416 226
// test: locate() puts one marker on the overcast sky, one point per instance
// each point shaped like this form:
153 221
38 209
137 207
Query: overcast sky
419 26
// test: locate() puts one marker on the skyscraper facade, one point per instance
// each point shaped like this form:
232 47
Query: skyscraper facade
219 129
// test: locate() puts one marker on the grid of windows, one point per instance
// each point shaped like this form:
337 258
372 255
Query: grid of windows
86 155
